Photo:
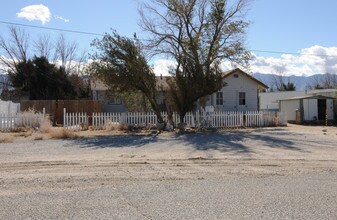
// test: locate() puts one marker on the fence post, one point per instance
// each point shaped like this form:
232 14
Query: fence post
43 116
123 118
9 107
64 118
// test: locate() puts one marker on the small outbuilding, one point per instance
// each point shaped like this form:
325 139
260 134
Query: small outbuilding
308 109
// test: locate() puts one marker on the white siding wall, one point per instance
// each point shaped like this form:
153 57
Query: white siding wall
269 100
290 106
310 109
329 106
231 94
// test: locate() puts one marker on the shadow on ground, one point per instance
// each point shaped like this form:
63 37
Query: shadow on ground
240 142
120 141
223 141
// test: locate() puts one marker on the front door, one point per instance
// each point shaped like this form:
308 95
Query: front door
321 107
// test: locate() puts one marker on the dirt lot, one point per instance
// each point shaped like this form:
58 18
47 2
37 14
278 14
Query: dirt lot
291 171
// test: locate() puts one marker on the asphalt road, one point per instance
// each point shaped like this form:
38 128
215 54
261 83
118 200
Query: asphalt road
274 173
101 195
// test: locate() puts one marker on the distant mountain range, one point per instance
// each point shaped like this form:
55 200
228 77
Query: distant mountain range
301 82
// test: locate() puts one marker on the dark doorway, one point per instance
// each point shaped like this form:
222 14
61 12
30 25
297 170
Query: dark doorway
321 106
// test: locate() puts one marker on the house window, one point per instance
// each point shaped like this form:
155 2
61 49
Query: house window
219 98
115 101
242 98
236 75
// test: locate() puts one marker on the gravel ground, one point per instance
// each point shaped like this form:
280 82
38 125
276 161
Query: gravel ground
269 173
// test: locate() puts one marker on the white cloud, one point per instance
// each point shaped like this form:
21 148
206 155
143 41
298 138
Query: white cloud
3 67
162 66
35 12
61 18
312 60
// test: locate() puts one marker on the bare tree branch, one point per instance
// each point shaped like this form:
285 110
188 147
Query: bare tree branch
198 35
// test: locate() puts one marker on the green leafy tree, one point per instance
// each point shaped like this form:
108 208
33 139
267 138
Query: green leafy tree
42 80
199 35
133 101
121 65
288 87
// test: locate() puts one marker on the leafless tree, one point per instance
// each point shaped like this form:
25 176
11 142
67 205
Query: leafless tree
326 81
43 47
14 49
278 78
198 35
65 52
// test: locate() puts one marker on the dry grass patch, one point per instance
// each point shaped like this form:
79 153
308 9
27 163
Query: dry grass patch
61 133
23 132
6 140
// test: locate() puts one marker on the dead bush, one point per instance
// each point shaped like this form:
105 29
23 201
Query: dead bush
124 127
45 124
61 133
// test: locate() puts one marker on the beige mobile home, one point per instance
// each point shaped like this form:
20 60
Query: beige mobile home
307 109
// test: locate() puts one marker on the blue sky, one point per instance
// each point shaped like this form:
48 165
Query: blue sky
307 27
291 25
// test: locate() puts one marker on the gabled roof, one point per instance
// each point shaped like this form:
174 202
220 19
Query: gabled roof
231 72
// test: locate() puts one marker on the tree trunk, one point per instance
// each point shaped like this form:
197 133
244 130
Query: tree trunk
156 111
182 116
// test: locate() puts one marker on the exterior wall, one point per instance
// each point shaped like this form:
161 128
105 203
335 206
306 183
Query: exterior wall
269 100
290 106
310 109
231 94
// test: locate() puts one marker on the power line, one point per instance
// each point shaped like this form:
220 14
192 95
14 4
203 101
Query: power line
50 28
96 34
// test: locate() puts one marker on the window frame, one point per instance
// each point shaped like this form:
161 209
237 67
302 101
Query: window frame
242 100
219 98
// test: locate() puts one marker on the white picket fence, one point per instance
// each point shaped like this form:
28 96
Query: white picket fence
75 120
13 121
199 119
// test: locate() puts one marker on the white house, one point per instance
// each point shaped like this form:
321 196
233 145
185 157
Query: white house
309 108
239 93
109 104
